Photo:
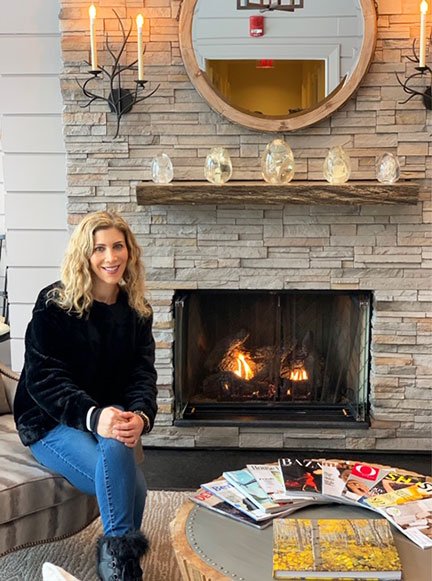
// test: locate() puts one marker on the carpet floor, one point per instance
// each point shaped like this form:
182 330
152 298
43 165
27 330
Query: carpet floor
77 554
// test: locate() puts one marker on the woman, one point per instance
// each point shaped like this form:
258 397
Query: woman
88 388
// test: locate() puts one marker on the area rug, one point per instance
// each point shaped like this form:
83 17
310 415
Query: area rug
77 554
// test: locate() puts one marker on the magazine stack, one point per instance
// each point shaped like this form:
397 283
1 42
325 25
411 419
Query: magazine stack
259 493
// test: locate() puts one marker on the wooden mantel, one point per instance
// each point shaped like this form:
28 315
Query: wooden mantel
260 192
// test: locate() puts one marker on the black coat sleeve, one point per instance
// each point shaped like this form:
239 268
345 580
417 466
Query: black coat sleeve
49 379
141 390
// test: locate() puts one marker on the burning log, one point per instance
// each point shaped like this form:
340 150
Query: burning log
239 362
227 386
226 345
239 373
301 369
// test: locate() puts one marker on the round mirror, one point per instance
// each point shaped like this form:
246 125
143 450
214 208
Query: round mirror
289 69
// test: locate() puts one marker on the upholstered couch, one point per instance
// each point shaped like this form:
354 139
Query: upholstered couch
35 504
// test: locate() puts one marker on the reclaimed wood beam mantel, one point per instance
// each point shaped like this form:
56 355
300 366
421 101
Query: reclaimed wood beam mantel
260 192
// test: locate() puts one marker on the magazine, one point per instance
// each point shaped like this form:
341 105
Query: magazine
334 477
394 480
299 479
228 493
334 549
418 491
270 479
414 519
361 479
245 483
208 500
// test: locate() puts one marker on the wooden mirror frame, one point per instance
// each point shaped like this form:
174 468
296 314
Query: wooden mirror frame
323 109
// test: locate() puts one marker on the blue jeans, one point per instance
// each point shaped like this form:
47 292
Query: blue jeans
98 466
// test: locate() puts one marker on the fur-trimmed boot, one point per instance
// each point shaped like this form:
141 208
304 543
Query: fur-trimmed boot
119 557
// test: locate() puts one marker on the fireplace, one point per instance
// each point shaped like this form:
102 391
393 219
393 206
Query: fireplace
272 358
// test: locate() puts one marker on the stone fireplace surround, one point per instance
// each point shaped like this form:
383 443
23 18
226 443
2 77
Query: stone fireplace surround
232 256
385 249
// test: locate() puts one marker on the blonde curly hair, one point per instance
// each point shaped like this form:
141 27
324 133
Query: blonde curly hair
75 292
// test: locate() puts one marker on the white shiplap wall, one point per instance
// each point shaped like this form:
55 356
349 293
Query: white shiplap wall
5 343
2 202
34 166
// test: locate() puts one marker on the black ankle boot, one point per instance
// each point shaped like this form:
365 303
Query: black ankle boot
119 557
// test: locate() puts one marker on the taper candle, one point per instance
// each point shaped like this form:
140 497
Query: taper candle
423 12
140 22
93 50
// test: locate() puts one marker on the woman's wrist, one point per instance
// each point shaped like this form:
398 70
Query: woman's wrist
145 419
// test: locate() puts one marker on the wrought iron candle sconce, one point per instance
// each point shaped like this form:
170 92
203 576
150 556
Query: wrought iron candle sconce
422 69
422 72
120 100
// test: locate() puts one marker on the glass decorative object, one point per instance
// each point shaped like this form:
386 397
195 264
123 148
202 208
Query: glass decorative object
387 169
337 166
218 166
162 171
277 162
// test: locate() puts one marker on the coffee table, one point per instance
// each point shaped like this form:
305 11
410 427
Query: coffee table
211 547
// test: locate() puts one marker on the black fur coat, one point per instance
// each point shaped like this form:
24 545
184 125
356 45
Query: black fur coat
72 364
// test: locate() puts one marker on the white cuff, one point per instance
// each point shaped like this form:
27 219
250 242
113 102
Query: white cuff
88 417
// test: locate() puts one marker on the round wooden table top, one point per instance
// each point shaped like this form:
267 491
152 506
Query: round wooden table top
212 547
191 565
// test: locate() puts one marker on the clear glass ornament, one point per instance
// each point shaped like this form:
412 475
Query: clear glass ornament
337 166
277 162
218 166
162 171
387 169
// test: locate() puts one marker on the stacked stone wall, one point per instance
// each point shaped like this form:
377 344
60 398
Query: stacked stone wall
386 249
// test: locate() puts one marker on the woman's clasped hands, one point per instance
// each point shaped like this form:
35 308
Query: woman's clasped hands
126 427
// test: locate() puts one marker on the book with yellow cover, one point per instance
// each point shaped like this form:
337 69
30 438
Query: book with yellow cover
334 549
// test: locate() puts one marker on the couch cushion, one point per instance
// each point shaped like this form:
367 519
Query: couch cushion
4 404
10 380
49 524
25 486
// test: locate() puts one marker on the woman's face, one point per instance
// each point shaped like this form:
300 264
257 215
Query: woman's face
357 487
109 258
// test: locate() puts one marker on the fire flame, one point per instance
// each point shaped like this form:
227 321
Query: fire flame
243 370
298 374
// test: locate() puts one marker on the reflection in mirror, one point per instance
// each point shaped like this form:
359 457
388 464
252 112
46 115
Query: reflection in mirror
267 86
302 57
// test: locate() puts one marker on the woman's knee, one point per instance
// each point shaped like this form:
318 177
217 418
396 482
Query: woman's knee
116 450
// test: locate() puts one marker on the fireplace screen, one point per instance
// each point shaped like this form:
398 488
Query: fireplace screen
271 356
